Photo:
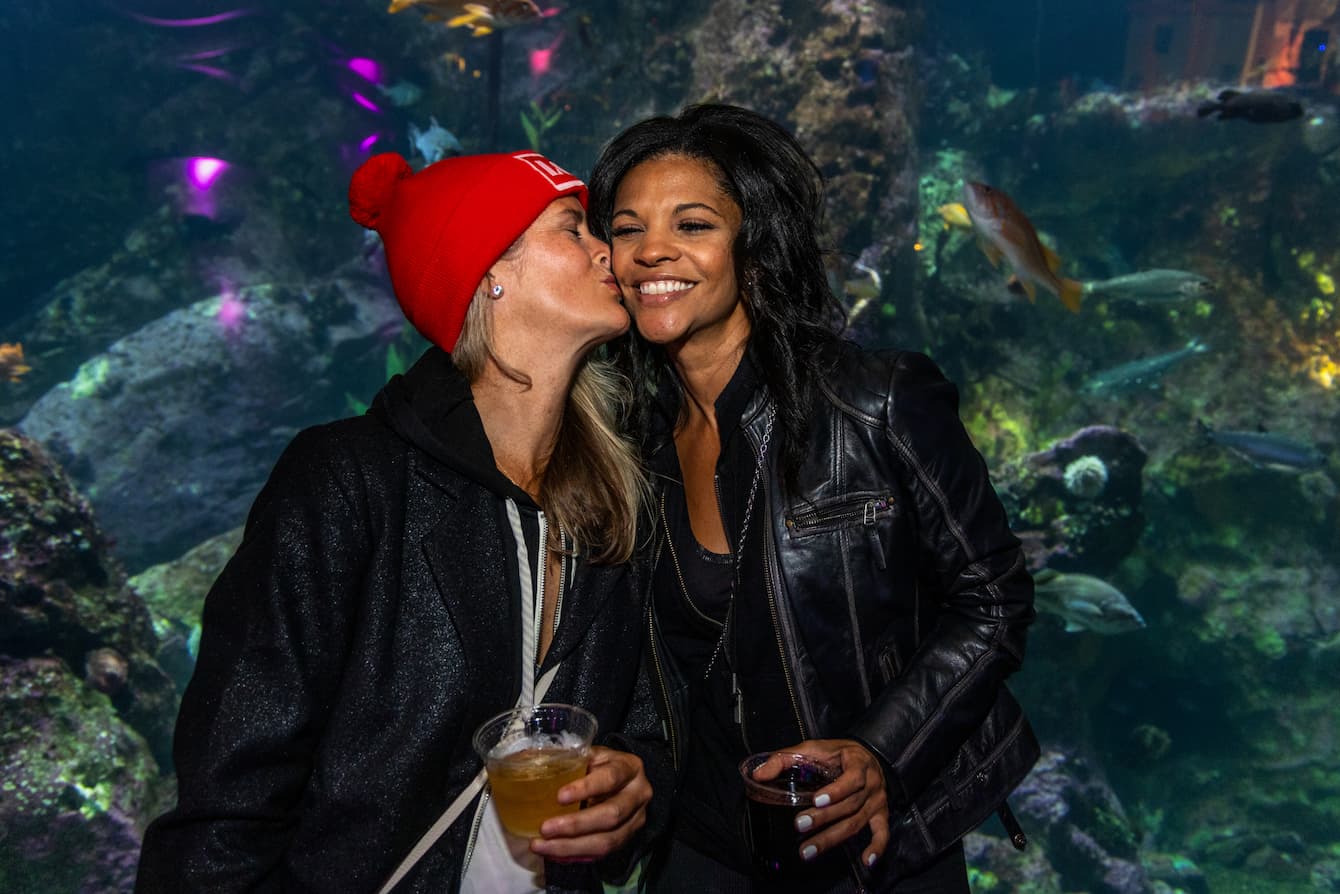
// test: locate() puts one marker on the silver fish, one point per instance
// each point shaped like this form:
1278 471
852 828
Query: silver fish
1144 373
1152 287
1266 450
1085 602
434 143
402 93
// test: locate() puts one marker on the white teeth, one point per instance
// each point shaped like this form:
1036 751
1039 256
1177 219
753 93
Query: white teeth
663 287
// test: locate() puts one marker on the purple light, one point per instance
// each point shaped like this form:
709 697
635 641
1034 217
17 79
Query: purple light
232 311
367 69
369 141
211 71
190 23
201 172
366 103
208 54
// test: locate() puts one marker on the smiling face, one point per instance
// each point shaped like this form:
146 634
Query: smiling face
673 233
558 285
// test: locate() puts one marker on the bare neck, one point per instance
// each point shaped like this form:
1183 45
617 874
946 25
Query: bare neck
522 421
705 370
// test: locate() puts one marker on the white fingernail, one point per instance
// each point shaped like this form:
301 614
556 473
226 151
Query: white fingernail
822 801
803 822
808 852
870 860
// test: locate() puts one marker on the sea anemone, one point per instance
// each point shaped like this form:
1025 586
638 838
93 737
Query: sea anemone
1086 477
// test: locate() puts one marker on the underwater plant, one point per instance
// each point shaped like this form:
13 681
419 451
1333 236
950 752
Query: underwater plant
395 365
538 122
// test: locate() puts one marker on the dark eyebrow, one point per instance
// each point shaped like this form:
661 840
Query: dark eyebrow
577 216
679 209
689 206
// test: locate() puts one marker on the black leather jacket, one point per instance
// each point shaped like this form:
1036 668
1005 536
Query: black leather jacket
899 598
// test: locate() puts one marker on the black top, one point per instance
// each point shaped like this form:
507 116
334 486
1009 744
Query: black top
692 589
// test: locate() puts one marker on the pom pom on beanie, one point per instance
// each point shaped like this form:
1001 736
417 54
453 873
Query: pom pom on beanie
445 226
373 186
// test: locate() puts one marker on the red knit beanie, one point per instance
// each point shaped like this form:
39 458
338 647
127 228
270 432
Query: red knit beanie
444 226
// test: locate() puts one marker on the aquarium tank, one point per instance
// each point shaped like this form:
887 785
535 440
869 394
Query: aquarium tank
1113 223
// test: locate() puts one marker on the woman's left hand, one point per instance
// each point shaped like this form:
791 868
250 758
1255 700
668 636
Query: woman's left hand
857 798
616 791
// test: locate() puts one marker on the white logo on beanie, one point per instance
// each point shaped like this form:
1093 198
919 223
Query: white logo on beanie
558 178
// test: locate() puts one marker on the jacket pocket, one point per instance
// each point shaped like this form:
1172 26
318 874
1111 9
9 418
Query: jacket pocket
856 510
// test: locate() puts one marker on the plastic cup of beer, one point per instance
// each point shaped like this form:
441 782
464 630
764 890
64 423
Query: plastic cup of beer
530 754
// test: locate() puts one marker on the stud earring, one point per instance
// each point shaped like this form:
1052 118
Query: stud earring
496 291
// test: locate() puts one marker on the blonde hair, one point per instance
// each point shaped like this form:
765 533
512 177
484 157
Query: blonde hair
593 484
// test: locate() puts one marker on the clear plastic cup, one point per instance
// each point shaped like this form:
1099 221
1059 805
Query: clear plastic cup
530 754
772 806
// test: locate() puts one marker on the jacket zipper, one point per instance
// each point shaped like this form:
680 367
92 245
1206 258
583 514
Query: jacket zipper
474 829
768 547
562 580
867 513
656 661
541 572
781 647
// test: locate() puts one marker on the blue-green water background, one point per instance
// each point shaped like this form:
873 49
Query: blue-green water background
175 334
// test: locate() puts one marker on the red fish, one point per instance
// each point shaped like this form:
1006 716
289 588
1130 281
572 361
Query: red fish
1004 232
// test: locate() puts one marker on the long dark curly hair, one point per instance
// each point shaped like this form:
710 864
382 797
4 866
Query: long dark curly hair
778 258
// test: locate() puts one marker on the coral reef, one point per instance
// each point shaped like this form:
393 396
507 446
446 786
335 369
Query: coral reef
1082 826
1078 504
79 785
63 593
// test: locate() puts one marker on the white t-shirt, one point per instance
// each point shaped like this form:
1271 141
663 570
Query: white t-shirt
502 863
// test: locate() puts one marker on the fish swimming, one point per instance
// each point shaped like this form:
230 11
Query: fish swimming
1144 373
435 142
1152 287
1004 232
1258 106
1085 602
402 93
12 366
955 215
480 18
863 287
1266 450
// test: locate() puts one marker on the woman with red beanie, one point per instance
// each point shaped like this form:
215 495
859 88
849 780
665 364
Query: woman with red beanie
405 575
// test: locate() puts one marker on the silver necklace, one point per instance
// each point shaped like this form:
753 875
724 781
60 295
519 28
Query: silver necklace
739 550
